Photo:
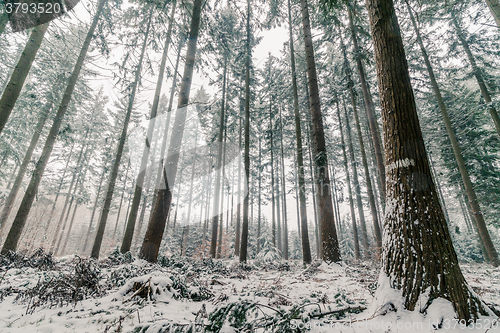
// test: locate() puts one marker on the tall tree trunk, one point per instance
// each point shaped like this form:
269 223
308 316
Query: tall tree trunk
494 6
154 233
244 231
367 97
9 201
273 226
418 251
369 187
313 189
129 231
477 72
348 184
357 189
219 248
237 238
121 200
285 217
22 214
96 248
329 241
16 82
190 200
259 210
469 188
217 188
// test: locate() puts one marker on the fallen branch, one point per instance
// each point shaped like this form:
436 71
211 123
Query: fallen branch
347 309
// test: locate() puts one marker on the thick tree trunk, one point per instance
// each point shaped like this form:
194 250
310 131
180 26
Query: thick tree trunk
329 241
217 188
22 214
469 187
418 254
477 73
369 187
96 248
494 6
367 96
154 233
16 82
129 231
348 184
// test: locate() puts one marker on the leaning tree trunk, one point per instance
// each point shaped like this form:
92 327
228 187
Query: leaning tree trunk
348 184
367 96
29 196
477 73
129 231
16 82
96 248
418 254
217 188
469 188
494 6
244 229
329 241
154 233
369 187
9 202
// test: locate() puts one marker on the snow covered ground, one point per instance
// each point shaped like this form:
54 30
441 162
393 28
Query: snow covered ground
123 294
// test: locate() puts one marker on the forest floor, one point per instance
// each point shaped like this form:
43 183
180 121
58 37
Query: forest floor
124 294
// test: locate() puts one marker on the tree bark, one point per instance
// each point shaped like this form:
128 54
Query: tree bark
469 187
367 97
285 217
129 231
348 184
96 248
16 82
22 214
217 188
244 231
330 246
154 233
494 6
418 253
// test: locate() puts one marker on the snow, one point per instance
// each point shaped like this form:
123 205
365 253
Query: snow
184 293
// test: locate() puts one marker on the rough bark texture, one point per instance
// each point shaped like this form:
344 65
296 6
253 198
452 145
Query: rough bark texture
16 82
154 233
22 214
418 254
96 248
129 231
469 188
330 246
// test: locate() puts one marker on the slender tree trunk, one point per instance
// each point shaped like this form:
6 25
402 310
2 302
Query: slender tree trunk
190 200
16 82
156 226
96 248
244 232
260 198
494 6
285 217
217 188
219 248
477 73
22 214
469 188
329 241
272 169
9 202
357 189
348 184
367 97
369 187
129 231
121 200
278 208
313 189
418 251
